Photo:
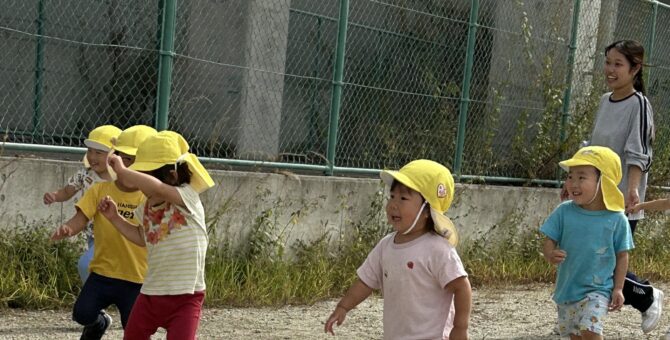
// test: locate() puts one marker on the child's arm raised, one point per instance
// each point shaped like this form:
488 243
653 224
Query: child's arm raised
149 185
72 227
552 253
619 276
462 291
133 233
358 292
655 205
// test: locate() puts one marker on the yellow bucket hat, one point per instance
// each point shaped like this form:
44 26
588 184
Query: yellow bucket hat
435 183
130 138
609 164
168 147
101 138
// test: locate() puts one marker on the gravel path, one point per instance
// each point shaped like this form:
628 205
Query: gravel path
517 312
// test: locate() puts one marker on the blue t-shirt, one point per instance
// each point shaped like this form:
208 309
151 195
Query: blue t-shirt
591 240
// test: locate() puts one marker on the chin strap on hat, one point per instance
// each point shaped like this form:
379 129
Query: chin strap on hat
416 218
597 189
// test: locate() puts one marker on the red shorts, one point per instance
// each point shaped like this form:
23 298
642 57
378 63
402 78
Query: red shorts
178 314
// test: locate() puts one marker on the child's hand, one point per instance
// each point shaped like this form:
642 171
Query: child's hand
49 197
338 315
116 163
632 199
62 232
557 256
458 333
634 209
617 300
107 207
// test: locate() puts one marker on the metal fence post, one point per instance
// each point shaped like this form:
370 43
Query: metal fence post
650 43
571 64
336 99
165 64
39 65
565 116
465 88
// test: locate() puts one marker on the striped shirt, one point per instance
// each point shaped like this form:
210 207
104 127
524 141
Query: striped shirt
176 240
627 127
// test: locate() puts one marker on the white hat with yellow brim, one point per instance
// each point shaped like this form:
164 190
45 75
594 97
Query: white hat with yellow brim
166 148
101 139
609 165
131 138
435 183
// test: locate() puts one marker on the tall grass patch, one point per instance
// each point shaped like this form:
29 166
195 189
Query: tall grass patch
37 273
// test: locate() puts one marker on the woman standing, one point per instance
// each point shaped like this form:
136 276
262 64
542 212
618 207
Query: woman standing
624 123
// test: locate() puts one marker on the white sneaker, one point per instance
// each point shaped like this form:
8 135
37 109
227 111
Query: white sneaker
652 315
108 319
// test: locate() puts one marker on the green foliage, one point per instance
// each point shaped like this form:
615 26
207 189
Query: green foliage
504 255
35 272
650 257
263 275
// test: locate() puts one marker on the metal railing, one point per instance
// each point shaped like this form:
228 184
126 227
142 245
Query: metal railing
498 91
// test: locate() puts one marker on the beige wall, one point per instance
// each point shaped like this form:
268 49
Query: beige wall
303 207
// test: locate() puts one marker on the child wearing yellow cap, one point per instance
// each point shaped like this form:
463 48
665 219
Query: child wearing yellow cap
588 238
426 290
118 266
172 229
98 145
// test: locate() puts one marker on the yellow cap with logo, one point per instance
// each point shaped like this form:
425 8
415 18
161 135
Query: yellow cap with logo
609 165
435 183
101 139
169 147
130 138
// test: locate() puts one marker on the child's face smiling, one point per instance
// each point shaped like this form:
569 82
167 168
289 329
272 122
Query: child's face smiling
583 187
402 207
97 159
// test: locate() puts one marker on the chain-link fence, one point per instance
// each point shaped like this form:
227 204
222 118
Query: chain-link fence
498 90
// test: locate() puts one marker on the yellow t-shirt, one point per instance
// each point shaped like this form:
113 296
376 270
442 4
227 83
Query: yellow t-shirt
114 255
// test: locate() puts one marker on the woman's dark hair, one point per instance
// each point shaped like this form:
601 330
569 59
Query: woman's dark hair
634 53
163 174
429 222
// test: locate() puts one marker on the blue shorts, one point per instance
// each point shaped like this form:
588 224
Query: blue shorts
585 315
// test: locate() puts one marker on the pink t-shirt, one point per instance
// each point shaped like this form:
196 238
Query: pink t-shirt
412 277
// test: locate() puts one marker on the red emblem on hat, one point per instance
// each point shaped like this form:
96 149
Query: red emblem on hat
410 264
441 191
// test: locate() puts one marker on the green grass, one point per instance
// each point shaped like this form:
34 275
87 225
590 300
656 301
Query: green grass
37 273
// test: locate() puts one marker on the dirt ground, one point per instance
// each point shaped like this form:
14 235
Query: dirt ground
516 312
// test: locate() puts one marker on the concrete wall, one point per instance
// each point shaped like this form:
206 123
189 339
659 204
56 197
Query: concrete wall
299 207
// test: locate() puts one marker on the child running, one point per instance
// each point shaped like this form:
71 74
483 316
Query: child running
118 266
172 229
98 145
588 237
427 294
